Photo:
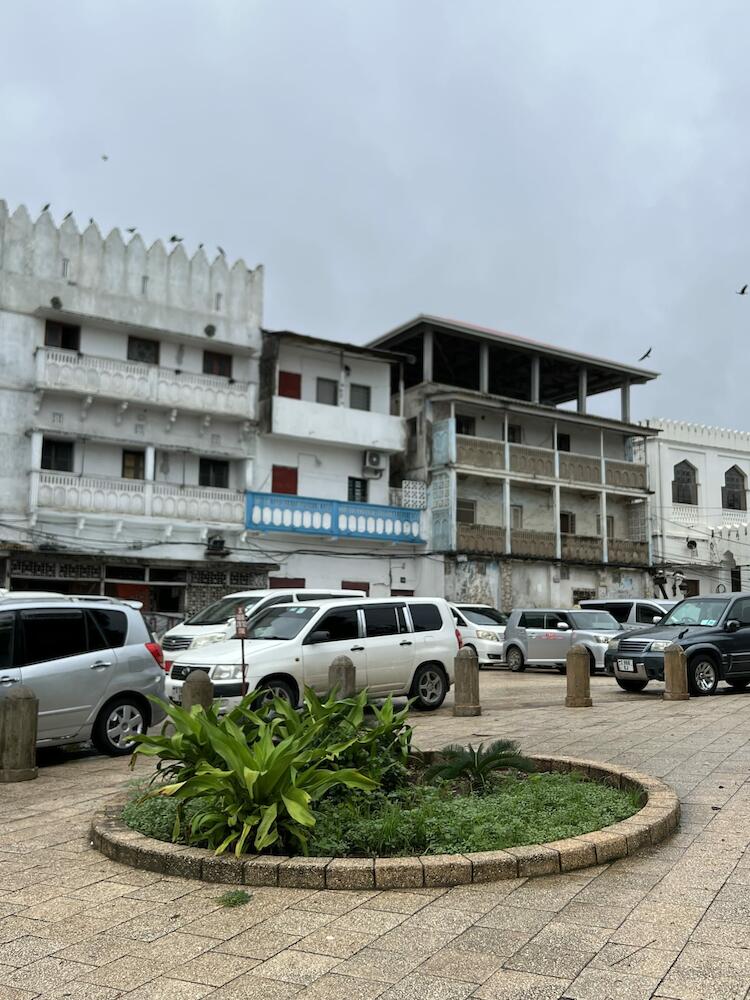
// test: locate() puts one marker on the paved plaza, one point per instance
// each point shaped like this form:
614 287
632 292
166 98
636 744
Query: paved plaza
673 922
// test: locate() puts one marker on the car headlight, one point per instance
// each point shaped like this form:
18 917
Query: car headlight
489 636
226 672
204 640
603 639
660 645
613 643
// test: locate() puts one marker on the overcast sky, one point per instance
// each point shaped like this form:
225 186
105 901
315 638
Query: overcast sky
576 172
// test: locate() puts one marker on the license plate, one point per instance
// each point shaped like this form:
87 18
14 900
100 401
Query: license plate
627 665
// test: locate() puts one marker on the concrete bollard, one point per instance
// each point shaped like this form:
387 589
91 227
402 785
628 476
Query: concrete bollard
675 674
197 690
342 677
19 714
577 677
466 691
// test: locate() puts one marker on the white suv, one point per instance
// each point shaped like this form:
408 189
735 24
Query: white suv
398 646
482 629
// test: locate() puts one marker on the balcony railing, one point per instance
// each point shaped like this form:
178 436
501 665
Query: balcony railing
627 553
488 538
333 518
581 548
580 468
113 379
102 495
627 475
532 543
532 461
480 453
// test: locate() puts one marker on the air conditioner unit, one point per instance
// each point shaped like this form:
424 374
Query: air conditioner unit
373 463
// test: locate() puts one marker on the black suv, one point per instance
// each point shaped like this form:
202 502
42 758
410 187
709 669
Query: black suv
713 631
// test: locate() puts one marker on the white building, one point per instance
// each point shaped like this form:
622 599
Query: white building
323 506
128 388
699 519
531 503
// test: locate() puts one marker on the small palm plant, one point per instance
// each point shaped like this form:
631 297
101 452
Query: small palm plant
475 765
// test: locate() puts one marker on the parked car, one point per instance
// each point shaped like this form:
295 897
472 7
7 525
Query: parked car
482 629
538 637
215 623
398 646
631 613
92 664
714 632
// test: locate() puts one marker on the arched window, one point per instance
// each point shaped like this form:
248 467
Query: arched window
734 491
684 484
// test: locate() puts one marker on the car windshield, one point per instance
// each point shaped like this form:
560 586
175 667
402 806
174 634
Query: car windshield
595 619
483 616
281 622
696 611
222 611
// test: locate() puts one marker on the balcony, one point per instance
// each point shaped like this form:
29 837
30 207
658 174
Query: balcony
331 518
627 553
108 378
134 497
581 548
532 461
339 425
487 538
539 544
580 468
626 475
480 453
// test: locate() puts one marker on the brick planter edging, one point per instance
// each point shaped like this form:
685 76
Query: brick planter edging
653 823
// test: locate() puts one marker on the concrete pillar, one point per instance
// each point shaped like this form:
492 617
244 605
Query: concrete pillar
466 684
675 674
536 378
507 514
19 713
625 402
36 464
197 690
603 519
556 515
484 367
342 677
578 678
583 382
427 343
149 463
248 477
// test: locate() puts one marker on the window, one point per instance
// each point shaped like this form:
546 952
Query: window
281 623
144 351
426 617
52 635
65 269
484 616
619 610
62 335
685 484
610 525
7 620
466 425
327 391
113 626
284 479
552 620
516 516
359 397
741 611
57 455
216 363
284 582
515 434
218 298
563 442
736 578
213 472
532 619
380 619
734 491
567 522
144 284
133 464
466 511
645 614
357 491
582 595
356 585
342 625
290 385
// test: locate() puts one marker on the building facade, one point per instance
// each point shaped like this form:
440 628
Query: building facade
699 516
128 399
325 506
530 503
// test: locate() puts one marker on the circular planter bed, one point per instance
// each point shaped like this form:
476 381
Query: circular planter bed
656 819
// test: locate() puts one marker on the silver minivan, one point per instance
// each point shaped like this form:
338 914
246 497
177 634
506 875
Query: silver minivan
541 637
91 662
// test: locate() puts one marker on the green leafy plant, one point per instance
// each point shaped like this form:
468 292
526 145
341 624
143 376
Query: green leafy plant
235 897
477 765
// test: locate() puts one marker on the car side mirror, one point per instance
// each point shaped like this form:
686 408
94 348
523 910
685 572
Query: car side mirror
732 625
319 635
563 626
656 619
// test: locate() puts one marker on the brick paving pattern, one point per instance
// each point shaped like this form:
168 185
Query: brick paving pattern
672 922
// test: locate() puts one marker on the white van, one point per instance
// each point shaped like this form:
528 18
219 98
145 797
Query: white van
216 622
399 646
482 629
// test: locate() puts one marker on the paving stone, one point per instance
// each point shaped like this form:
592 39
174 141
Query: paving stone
258 944
46 973
24 950
213 968
418 986
299 967
123 974
509 985
633 960
335 987
468 966
690 985
252 987
593 984
559 964
337 942
165 988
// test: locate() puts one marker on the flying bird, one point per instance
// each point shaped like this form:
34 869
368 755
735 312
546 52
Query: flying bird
66 217
742 291
176 239
91 220
45 208
200 246
105 157
646 355
132 229
221 251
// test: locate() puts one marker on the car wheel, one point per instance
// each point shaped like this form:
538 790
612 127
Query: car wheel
515 660
116 724
738 683
561 668
631 685
703 675
429 687
277 688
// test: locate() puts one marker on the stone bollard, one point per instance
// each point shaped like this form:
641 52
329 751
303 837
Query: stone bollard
197 690
19 714
466 673
577 676
675 674
342 677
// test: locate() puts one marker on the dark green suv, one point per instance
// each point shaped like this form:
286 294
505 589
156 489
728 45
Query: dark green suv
714 632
